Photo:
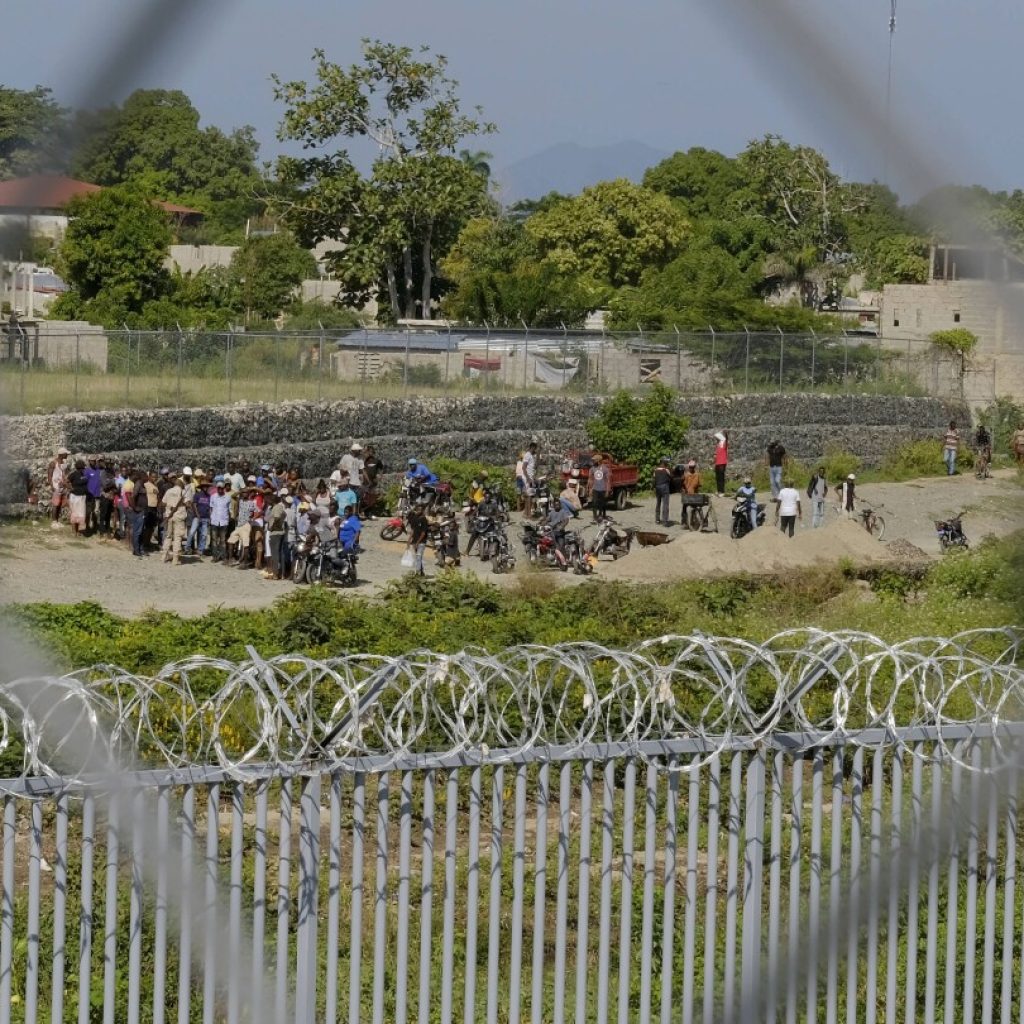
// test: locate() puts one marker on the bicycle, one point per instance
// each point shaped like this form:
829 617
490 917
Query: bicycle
869 519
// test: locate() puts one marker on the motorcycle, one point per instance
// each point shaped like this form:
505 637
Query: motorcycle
446 543
951 532
543 549
439 503
306 548
611 539
543 499
495 548
332 565
741 518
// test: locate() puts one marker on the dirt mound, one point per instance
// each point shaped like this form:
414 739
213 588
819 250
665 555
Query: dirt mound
901 550
768 550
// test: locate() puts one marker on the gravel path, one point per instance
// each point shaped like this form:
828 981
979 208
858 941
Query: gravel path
40 564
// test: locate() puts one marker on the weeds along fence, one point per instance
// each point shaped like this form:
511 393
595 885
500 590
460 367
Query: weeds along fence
187 368
820 827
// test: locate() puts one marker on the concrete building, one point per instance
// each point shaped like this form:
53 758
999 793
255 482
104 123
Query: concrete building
37 206
54 344
976 288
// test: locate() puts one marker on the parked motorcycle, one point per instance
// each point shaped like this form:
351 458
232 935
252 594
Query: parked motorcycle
495 548
741 518
446 543
332 565
543 498
544 549
951 532
611 539
306 547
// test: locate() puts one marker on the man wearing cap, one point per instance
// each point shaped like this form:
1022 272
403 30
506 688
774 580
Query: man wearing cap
352 464
220 517
849 495
173 504
662 491
56 477
198 536
600 480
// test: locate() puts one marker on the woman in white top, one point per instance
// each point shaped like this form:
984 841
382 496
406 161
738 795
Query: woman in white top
787 509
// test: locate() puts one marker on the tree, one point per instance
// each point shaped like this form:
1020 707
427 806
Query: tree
898 259
114 250
612 232
393 223
32 127
155 140
477 160
958 343
640 430
265 271
497 278
703 181
806 206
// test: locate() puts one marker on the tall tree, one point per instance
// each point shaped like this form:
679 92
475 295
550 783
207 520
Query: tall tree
32 127
265 271
392 224
611 232
114 250
704 181
155 140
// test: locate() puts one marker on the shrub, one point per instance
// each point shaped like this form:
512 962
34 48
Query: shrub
640 430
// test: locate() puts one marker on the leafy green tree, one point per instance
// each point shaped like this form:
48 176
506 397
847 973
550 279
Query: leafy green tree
958 344
478 160
32 132
265 271
155 140
704 181
898 259
392 224
640 430
612 232
497 278
522 209
114 250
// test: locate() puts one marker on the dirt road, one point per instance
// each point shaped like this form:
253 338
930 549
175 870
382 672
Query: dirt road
40 564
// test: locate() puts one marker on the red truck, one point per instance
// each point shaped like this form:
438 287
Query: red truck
624 477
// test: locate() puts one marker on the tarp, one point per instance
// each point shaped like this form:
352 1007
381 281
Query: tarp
555 375
481 365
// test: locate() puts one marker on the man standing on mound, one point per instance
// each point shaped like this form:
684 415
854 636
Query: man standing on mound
787 509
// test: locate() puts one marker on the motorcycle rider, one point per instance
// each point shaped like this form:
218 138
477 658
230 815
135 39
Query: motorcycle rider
569 498
749 495
486 512
420 473
350 530
556 521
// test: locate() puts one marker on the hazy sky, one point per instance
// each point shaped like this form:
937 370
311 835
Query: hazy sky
671 73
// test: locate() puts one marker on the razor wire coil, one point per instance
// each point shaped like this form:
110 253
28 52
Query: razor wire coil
824 687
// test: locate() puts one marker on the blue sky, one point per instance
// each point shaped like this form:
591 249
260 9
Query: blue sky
670 73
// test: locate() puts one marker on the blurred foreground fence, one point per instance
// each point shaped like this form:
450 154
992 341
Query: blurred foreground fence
186 368
697 829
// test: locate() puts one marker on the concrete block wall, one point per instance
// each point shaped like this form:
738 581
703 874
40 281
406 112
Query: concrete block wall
487 428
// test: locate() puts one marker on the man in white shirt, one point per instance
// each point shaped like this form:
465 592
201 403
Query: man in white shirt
787 508
352 464
529 475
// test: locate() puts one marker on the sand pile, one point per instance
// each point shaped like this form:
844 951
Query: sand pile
694 555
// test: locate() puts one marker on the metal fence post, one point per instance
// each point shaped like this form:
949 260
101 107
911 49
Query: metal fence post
78 365
814 353
846 361
366 356
713 346
405 372
128 368
640 357
906 382
746 372
320 366
526 351
782 354
565 352
227 362
178 390
679 359
277 364
308 898
447 356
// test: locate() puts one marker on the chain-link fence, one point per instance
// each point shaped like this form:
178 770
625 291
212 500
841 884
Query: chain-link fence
179 368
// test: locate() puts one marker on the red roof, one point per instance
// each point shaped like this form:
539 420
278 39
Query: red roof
53 192
42 192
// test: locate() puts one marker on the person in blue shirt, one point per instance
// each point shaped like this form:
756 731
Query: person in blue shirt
345 497
350 529
420 473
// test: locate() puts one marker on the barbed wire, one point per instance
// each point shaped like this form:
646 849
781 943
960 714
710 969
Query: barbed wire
828 687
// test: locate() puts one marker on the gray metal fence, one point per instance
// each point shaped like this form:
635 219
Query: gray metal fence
836 871
187 368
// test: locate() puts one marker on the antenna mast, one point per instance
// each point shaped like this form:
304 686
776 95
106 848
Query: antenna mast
888 93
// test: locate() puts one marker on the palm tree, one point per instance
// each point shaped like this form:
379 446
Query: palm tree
478 160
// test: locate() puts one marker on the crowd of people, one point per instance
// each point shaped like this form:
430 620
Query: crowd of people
243 516
253 517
